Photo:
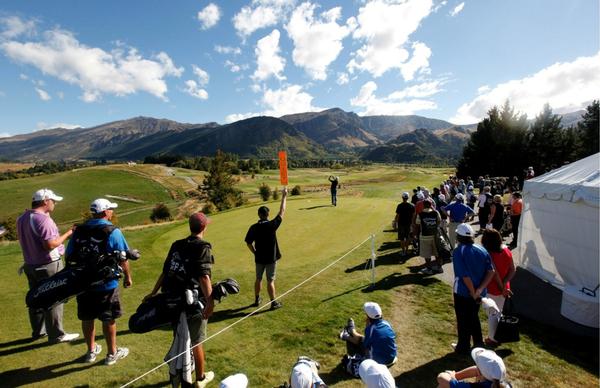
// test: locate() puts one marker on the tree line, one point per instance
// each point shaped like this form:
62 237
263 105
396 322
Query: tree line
506 143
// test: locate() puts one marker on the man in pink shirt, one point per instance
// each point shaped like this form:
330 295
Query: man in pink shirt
42 246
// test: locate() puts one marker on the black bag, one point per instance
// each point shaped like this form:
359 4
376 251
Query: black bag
508 327
442 244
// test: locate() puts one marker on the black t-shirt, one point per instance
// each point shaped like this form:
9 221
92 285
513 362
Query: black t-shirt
405 211
263 236
186 262
429 222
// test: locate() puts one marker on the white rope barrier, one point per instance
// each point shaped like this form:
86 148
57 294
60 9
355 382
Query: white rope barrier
371 237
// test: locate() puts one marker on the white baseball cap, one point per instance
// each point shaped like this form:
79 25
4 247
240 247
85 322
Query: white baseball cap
490 365
44 194
99 205
375 375
465 230
459 197
238 380
372 310
302 375
442 197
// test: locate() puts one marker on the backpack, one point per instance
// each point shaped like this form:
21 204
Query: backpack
89 245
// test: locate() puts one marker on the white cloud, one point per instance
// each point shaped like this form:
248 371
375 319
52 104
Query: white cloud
13 27
268 61
279 102
384 27
234 67
261 14
42 125
457 9
23 77
5 134
94 70
202 75
60 95
317 41
342 79
209 16
44 96
439 5
567 87
228 50
195 90
402 102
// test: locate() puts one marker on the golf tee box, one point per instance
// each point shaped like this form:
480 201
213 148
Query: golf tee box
283 172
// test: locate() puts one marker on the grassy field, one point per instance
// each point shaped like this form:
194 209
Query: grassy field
264 346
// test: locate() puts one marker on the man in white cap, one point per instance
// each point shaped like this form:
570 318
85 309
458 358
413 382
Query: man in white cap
42 246
379 341
458 213
489 371
473 271
102 301
305 374
238 380
404 216
375 375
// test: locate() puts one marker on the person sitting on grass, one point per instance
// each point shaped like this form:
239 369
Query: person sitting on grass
378 342
489 372
305 374
375 375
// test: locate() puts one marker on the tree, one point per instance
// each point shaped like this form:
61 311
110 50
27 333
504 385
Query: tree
545 141
160 213
497 146
587 131
264 191
219 185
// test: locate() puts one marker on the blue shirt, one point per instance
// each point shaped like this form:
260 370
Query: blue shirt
473 261
458 211
116 242
380 340
462 384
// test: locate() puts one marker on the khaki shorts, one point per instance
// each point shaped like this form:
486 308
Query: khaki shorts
427 247
268 268
197 328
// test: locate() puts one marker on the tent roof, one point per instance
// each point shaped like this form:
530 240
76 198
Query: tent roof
573 182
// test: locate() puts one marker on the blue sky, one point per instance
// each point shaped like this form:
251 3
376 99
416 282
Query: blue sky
80 63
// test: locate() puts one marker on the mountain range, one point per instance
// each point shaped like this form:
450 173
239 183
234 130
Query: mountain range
330 133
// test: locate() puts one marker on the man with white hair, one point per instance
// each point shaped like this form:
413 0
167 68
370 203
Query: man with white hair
42 246
458 213
375 375
305 374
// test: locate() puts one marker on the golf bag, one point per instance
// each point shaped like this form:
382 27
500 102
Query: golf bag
166 307
74 280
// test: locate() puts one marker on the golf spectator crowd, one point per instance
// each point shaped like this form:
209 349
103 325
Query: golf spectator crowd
436 223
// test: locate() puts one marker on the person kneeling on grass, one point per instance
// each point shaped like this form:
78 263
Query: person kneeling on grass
489 372
379 341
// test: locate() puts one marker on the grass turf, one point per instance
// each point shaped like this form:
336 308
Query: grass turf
265 346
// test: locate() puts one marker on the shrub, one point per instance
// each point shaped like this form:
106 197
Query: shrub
264 191
296 190
160 213
275 194
209 208
10 224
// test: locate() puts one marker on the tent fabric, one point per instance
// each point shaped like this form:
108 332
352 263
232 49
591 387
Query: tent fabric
559 229
573 182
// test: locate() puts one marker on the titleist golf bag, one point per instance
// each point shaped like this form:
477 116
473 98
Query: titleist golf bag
86 266
166 307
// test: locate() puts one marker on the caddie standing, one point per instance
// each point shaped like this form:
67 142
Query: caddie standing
42 246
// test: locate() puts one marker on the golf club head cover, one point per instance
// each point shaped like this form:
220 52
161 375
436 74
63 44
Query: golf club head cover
223 288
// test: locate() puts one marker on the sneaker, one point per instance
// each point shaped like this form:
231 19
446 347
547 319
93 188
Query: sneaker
490 343
350 325
120 354
344 335
67 337
426 271
208 377
257 301
275 305
91 356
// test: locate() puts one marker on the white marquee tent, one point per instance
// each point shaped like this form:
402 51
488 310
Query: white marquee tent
559 230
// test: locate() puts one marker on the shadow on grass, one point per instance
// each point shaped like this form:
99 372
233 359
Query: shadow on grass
344 293
397 279
428 372
157 385
391 258
314 207
336 375
23 348
24 376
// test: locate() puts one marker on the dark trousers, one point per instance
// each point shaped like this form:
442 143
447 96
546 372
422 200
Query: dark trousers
45 321
467 323
334 197
514 220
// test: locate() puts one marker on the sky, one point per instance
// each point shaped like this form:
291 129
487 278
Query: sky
72 63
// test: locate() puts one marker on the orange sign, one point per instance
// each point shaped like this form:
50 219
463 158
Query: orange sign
283 172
